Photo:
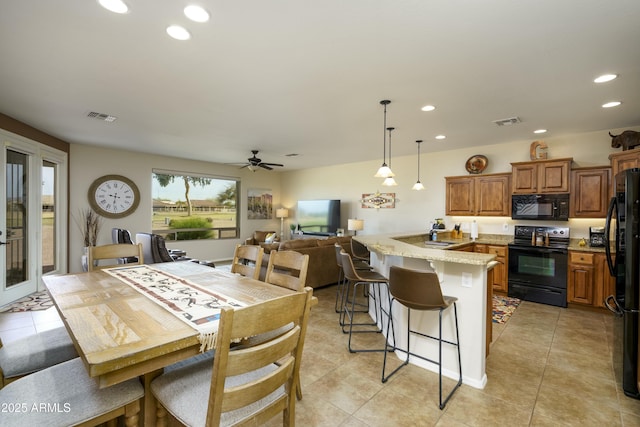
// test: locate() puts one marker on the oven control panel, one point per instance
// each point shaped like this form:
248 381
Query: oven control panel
529 233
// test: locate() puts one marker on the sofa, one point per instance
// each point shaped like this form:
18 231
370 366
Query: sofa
323 268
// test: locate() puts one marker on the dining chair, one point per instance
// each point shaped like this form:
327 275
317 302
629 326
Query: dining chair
33 353
113 252
247 260
419 290
65 395
247 385
287 269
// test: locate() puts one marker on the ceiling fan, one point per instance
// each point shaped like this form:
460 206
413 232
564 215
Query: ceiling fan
254 162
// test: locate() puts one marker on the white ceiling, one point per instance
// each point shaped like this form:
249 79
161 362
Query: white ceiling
306 77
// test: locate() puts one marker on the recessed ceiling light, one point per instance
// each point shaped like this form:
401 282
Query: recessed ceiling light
540 131
611 104
178 32
117 6
428 108
440 137
605 78
196 13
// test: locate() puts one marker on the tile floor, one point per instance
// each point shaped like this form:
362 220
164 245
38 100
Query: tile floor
548 367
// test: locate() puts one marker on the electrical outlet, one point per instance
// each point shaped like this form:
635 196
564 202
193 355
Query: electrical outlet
505 227
466 280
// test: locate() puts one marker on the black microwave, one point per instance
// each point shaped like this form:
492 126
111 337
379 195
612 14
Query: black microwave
551 207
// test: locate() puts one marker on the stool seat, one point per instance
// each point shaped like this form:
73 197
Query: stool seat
420 290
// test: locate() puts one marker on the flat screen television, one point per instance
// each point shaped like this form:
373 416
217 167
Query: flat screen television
320 217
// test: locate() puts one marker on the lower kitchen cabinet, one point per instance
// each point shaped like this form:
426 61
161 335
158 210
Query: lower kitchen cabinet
589 281
500 271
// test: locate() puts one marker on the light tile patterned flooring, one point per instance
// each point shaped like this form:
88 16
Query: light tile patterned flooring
548 367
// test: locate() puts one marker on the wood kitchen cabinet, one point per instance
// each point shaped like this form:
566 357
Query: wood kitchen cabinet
482 195
604 284
541 176
623 160
590 189
500 272
589 281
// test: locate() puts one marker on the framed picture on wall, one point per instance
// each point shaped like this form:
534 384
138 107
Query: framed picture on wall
259 203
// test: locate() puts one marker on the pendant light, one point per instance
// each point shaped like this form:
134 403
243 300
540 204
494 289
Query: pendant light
384 171
389 181
418 185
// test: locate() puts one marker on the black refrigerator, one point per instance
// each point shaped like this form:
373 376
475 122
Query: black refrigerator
623 224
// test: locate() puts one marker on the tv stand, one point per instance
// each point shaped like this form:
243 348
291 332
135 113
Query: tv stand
318 233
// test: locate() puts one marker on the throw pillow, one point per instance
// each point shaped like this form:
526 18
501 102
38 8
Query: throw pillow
270 237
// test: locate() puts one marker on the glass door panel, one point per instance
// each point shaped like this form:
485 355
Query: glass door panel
17 238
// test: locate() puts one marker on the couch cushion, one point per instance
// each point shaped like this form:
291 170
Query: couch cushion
297 244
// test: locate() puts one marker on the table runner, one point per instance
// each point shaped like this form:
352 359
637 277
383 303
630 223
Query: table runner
195 305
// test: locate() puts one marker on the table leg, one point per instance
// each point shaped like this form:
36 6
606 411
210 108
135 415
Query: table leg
148 409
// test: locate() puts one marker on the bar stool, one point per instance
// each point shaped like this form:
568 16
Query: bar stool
371 279
342 281
420 290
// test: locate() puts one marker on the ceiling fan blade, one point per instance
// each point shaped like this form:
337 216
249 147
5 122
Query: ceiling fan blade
265 166
272 164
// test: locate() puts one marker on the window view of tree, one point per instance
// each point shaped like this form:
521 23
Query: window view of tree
191 207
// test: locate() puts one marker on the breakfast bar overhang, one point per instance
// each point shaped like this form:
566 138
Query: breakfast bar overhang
462 275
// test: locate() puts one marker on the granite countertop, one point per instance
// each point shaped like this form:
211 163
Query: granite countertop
411 245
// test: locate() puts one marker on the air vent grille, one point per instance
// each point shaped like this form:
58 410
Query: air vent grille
101 116
508 122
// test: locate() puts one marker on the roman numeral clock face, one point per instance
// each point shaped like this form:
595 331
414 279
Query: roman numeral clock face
114 196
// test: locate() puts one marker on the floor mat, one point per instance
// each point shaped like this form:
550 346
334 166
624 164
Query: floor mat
36 301
503 308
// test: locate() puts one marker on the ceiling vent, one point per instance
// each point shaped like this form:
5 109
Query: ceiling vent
101 116
508 122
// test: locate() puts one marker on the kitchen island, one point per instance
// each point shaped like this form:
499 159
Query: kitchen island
462 275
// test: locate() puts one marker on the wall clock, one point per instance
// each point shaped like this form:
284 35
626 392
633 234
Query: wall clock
113 196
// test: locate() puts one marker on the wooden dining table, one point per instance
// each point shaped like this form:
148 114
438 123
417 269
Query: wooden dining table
120 333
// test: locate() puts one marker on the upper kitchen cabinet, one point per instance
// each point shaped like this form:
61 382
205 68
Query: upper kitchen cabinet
589 192
479 195
623 160
541 176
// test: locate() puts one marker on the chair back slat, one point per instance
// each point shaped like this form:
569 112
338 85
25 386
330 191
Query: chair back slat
288 269
113 252
247 260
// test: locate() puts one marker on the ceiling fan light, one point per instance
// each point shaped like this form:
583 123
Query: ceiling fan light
418 186
384 172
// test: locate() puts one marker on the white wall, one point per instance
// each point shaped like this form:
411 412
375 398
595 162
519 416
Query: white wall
89 162
415 209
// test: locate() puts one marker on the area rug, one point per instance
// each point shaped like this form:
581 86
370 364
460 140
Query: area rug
503 308
36 301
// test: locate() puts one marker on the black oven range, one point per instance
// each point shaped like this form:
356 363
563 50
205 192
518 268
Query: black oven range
538 259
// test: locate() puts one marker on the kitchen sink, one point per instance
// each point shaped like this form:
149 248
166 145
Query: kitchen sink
438 244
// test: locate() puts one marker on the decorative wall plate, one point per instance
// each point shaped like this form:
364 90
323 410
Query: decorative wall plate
476 164
379 200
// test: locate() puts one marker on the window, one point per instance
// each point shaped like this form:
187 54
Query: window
192 207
